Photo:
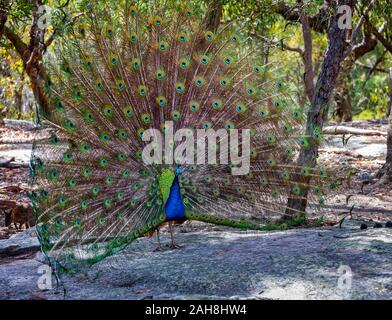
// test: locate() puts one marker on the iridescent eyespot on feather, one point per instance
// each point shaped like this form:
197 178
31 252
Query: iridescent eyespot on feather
250 91
287 128
225 82
146 118
217 104
53 175
228 60
67 156
258 69
62 202
297 114
240 107
84 148
304 142
163 46
104 137
107 204
120 85
126 173
72 182
208 178
296 189
253 153
206 125
122 134
109 31
229 125
234 38
157 21
88 64
128 111
136 64
86 172
99 85
184 63
121 156
88 117
176 115
103 162
199 81
161 101
289 151
83 206
305 171
69 126
209 36
133 38
180 87
140 132
107 110
133 10
108 180
113 61
77 94
44 194
160 74
182 37
204 59
194 106
136 185
270 138
142 90
271 162
59 105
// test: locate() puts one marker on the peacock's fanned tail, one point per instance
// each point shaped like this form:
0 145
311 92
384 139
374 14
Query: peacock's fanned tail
112 78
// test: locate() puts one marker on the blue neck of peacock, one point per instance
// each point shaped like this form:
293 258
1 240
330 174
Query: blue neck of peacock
175 208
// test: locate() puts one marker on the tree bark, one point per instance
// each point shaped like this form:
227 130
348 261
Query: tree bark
385 172
343 111
319 108
31 54
213 15
307 53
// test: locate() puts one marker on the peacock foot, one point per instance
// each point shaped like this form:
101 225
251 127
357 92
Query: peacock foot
159 248
174 246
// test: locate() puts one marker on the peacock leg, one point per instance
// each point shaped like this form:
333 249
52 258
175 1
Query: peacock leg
159 246
173 244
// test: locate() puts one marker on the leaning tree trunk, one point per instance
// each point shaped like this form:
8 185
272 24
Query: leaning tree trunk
318 112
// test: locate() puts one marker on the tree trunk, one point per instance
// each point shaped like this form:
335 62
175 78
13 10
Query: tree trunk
342 91
31 55
385 172
213 15
318 112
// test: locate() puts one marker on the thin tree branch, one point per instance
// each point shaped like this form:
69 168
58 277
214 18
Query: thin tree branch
359 64
318 22
386 43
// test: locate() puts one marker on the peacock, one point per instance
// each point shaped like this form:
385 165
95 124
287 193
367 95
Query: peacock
123 82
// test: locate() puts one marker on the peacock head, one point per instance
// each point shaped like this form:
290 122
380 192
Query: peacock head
178 171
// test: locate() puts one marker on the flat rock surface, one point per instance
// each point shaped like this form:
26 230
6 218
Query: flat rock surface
319 263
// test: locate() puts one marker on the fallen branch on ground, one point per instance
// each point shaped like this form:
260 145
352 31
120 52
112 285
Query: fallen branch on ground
353 131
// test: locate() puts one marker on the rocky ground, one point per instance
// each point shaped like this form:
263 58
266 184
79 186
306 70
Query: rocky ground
223 263
322 263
